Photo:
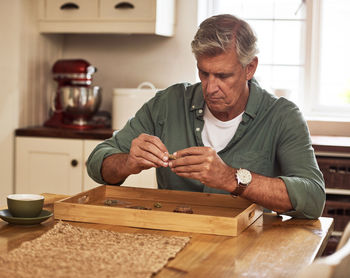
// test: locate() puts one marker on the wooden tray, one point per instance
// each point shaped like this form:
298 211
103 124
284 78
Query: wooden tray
218 214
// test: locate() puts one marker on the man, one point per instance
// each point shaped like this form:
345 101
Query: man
228 135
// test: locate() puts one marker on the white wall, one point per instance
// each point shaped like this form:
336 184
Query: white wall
9 93
24 59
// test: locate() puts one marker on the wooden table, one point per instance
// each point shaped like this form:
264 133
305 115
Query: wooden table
273 246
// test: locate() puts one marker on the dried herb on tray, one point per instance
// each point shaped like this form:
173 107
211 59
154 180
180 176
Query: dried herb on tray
183 209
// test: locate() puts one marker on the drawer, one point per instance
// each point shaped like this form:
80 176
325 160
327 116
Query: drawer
71 10
131 10
336 171
338 207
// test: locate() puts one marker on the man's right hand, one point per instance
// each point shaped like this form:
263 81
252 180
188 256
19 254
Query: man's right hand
146 151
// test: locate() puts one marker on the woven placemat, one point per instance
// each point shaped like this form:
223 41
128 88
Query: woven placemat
71 251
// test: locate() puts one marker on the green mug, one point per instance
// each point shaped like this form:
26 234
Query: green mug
25 205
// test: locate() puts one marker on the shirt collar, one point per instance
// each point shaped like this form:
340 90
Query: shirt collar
253 100
198 99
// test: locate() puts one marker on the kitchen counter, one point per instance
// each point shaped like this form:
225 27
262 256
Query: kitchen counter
320 143
41 131
329 144
272 246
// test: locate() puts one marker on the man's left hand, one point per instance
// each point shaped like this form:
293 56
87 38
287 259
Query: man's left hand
204 164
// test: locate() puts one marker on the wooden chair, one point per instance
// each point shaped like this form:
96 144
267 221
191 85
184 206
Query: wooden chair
336 265
345 237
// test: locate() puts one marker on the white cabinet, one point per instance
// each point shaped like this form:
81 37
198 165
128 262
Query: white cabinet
89 145
57 165
145 179
70 10
107 16
51 165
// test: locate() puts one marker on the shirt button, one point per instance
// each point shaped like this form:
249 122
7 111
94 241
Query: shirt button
198 129
200 111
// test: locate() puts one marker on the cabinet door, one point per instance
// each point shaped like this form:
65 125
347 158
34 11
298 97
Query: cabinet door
131 10
146 178
46 165
336 171
107 16
89 145
71 10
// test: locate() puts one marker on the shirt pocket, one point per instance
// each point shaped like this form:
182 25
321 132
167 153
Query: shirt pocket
255 161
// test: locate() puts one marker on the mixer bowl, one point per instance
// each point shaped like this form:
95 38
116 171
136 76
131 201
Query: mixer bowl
80 104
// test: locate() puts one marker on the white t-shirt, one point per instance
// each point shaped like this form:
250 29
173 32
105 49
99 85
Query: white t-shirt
217 134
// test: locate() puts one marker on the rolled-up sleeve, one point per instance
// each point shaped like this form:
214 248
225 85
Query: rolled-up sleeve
121 140
95 159
300 172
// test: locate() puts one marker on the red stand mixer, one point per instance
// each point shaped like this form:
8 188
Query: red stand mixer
76 101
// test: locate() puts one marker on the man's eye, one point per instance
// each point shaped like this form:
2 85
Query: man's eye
223 76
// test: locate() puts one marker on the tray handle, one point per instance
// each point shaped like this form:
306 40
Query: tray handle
251 214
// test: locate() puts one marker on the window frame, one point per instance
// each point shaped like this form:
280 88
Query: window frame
310 86
311 108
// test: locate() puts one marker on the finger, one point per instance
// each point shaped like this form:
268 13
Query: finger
190 151
149 156
193 175
187 160
187 169
154 140
146 164
151 148
154 145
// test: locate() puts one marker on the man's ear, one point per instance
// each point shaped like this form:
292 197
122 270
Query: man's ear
251 68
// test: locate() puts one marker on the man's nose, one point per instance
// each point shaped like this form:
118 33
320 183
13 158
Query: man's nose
212 85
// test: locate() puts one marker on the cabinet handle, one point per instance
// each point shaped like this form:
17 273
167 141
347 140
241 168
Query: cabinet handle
124 6
74 162
69 6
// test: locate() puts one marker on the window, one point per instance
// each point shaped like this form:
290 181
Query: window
330 57
304 49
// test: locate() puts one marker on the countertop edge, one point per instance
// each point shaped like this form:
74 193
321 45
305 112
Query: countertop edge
93 134
319 143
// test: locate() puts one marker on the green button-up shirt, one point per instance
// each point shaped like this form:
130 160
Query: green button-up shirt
272 140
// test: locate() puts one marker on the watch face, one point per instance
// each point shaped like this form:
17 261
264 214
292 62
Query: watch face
244 176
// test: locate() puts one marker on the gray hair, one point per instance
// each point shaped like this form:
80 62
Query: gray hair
220 33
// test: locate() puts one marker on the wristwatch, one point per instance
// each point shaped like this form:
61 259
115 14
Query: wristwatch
244 178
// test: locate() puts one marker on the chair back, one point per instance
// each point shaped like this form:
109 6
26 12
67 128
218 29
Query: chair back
336 265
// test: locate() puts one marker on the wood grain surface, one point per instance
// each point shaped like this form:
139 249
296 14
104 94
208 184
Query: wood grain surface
273 246
218 214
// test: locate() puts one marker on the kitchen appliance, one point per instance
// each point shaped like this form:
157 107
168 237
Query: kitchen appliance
126 102
75 101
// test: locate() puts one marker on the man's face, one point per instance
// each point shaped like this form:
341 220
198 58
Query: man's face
224 83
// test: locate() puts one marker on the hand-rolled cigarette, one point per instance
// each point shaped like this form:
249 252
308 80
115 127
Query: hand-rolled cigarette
172 157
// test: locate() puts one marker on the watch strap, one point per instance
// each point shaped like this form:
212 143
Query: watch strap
243 177
239 190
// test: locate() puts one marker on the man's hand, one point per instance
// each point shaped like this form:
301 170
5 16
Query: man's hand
146 151
203 164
